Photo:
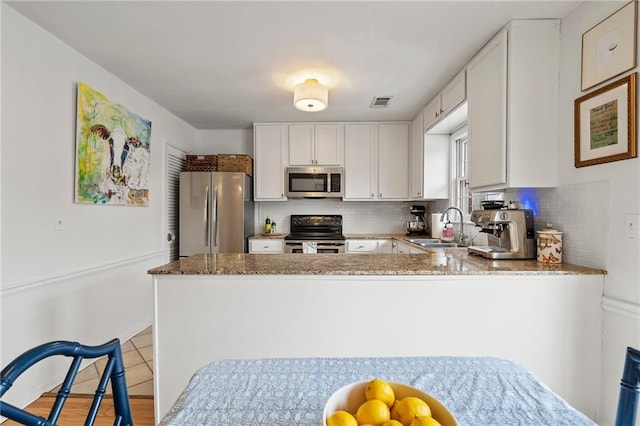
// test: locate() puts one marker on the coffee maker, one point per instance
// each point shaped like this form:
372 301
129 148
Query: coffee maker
418 226
510 233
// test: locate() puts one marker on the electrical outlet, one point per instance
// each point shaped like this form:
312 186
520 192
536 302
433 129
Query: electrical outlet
59 223
631 222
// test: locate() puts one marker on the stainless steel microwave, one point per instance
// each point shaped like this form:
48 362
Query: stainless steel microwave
314 182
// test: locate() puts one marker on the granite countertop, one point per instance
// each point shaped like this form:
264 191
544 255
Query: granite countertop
454 261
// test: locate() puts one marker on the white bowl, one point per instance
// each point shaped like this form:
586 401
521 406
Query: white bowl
349 398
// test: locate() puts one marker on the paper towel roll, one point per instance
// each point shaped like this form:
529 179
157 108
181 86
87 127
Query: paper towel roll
436 225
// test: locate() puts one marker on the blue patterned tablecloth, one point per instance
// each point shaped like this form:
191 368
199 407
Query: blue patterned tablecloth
293 391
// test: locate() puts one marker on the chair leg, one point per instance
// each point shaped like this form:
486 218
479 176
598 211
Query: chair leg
629 390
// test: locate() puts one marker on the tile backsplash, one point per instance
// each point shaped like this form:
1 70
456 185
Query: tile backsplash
573 210
358 217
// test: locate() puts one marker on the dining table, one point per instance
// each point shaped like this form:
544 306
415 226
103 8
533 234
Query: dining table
293 391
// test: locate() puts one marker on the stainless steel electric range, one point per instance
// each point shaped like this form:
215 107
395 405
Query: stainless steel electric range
315 234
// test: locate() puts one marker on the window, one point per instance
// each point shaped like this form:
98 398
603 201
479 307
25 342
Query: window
461 196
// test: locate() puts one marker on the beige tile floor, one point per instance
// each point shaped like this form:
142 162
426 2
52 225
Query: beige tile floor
138 363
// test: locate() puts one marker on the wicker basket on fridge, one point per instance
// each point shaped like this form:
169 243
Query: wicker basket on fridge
202 163
235 163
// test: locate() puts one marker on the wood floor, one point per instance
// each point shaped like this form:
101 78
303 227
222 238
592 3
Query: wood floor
76 408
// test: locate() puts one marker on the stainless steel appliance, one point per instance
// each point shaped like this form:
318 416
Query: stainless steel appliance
417 226
216 212
510 233
314 182
315 234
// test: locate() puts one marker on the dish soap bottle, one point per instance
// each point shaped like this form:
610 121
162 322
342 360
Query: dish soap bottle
273 228
447 232
267 226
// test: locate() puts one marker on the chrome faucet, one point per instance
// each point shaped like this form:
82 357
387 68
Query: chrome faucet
461 235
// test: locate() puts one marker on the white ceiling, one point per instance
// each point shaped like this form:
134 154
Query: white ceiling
225 65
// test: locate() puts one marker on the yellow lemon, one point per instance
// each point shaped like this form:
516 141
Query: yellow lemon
394 410
425 421
410 408
379 389
374 412
341 418
392 423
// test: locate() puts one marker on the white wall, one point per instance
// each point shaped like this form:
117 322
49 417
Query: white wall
88 282
621 179
225 141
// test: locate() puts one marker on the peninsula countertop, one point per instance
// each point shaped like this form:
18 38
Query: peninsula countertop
454 261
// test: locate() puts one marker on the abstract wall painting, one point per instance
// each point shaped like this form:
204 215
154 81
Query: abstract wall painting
112 152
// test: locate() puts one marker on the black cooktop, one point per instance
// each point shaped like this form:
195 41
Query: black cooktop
315 227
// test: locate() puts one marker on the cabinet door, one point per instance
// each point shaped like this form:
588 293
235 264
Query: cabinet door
275 246
301 145
417 157
362 246
270 155
432 113
385 246
487 102
436 167
454 93
393 161
329 144
360 160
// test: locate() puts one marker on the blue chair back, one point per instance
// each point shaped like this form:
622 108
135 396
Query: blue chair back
114 372
629 390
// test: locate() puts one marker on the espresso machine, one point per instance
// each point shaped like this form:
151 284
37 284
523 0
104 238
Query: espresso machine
418 226
510 234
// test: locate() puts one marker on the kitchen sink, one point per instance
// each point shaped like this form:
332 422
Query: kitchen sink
434 243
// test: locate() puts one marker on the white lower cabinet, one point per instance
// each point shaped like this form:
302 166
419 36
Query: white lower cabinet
273 246
368 246
402 248
362 246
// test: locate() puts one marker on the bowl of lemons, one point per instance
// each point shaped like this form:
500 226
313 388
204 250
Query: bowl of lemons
380 403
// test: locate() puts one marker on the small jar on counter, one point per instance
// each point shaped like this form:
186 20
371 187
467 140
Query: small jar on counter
549 245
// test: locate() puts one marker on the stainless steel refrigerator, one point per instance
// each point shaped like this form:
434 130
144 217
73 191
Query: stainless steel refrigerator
216 212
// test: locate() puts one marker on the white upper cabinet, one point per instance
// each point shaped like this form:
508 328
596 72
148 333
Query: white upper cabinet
376 161
512 101
453 94
360 157
393 161
270 158
316 144
417 157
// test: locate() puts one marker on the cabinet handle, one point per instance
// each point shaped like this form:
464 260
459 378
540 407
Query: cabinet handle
380 195
372 195
265 246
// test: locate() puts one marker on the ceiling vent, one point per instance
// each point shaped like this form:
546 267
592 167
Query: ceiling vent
380 101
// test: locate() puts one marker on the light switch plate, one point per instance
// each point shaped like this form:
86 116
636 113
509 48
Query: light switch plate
59 224
631 222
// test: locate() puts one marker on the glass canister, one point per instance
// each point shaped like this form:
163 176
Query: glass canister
549 245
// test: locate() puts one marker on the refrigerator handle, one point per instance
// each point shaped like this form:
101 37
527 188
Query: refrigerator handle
206 217
215 216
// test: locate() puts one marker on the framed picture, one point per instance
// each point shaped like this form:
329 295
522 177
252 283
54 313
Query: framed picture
605 123
609 48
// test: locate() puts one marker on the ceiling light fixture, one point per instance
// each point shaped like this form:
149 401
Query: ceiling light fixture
310 96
